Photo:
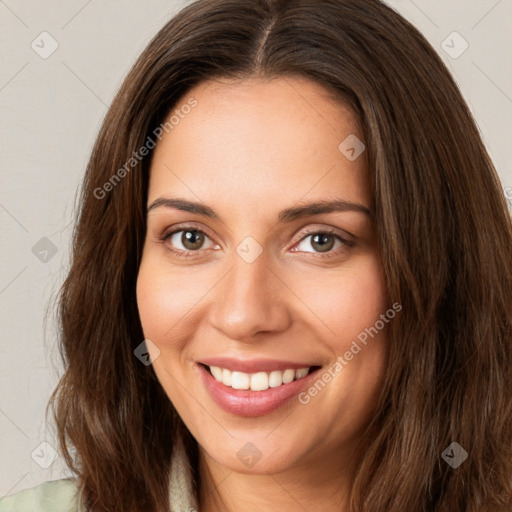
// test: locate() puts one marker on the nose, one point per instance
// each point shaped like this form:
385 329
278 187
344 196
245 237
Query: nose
250 299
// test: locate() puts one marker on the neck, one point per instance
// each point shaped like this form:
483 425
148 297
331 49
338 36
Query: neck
319 484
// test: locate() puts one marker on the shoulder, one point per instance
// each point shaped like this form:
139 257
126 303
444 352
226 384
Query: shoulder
54 496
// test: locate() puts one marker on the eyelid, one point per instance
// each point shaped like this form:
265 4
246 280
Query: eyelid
346 236
192 226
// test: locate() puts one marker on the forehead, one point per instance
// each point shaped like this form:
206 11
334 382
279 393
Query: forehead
248 140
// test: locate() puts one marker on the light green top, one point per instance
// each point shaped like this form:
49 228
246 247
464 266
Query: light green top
55 496
63 496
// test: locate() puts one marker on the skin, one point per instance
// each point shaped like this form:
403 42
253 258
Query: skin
248 150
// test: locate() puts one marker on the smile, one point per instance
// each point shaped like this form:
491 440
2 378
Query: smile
256 387
259 381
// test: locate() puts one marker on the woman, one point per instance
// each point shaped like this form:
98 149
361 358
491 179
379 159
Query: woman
291 285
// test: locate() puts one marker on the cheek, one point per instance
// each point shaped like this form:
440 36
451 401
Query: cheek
347 301
163 303
164 299
156 308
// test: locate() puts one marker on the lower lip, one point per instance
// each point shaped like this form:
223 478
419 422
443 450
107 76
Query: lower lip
244 402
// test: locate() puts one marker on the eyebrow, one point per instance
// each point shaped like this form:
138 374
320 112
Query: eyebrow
286 215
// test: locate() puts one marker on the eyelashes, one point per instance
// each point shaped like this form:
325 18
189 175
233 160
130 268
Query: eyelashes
187 253
167 238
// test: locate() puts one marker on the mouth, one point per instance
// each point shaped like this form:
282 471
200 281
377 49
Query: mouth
263 387
258 381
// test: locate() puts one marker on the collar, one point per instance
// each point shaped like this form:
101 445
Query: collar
182 496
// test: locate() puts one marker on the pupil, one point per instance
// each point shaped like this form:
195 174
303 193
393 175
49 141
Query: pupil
323 240
192 239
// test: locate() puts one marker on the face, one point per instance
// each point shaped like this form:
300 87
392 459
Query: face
254 304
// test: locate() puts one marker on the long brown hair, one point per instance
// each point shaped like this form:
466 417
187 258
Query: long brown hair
443 227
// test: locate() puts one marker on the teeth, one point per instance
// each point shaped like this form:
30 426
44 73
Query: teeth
240 380
288 376
275 379
226 377
301 372
257 381
217 372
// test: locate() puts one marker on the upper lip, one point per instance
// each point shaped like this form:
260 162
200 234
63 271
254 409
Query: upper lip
253 365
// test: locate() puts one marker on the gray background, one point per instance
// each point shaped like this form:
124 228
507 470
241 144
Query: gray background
51 110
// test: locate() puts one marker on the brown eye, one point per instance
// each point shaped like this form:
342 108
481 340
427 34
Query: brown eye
323 242
186 239
192 240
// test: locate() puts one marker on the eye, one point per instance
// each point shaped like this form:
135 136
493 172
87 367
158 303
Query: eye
323 242
187 239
